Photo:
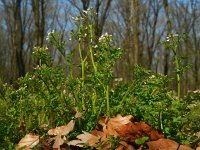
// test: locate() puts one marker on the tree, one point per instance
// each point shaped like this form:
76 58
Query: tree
169 28
135 32
38 9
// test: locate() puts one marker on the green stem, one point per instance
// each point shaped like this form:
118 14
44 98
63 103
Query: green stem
178 76
107 101
82 69
91 51
94 97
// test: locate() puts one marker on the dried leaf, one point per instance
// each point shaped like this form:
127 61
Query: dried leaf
78 115
58 142
114 123
135 130
62 130
198 148
29 141
119 121
76 143
100 134
184 147
163 144
126 145
85 138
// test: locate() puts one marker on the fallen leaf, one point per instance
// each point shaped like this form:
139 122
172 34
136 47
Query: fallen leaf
126 145
78 114
29 141
136 130
62 130
163 144
198 148
112 124
166 144
184 147
85 138
58 142
119 120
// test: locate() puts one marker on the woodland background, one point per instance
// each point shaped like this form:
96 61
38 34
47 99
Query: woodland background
137 26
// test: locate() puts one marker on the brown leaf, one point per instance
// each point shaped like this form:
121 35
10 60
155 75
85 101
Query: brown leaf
62 130
135 130
58 142
119 121
29 141
100 134
163 144
126 145
78 114
184 147
110 127
85 138
166 144
198 148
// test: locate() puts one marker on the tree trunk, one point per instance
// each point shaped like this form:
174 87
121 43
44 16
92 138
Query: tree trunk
169 28
135 32
18 67
39 18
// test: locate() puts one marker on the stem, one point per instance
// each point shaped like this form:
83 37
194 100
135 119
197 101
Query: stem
160 121
94 97
107 101
91 52
178 76
82 69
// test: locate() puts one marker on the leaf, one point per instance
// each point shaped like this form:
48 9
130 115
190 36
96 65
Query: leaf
62 130
162 144
114 123
58 142
78 115
85 138
142 140
126 145
119 121
29 141
166 144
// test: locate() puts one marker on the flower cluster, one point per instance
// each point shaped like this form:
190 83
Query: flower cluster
105 37
170 37
49 35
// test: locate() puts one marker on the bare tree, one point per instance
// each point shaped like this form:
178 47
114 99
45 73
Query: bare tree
169 28
38 8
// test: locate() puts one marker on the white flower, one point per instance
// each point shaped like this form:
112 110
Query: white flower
77 18
84 11
49 35
119 79
95 46
89 9
175 35
153 76
196 91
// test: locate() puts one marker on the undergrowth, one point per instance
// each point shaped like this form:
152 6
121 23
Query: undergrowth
51 95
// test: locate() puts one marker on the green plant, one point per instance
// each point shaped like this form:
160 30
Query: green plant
49 96
173 42
141 140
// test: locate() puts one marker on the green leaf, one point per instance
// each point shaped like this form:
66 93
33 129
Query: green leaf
141 140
